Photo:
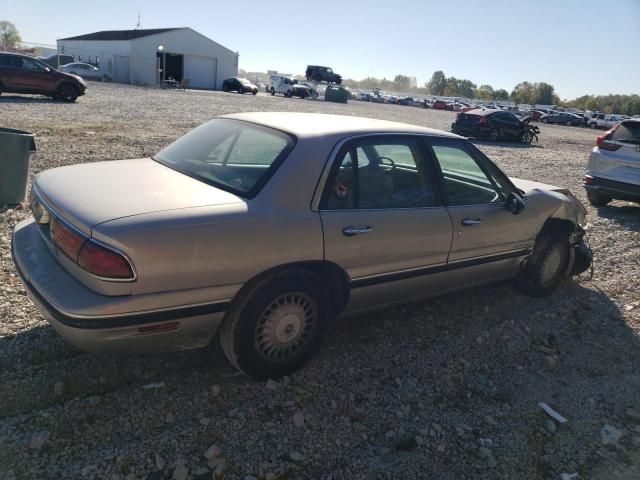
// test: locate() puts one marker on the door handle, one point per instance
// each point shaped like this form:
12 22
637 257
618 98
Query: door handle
351 231
467 222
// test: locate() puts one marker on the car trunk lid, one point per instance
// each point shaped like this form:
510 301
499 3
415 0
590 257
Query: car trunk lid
92 193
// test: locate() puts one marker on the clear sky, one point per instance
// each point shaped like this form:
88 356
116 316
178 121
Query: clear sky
579 46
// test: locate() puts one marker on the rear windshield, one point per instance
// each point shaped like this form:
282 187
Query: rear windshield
233 155
627 132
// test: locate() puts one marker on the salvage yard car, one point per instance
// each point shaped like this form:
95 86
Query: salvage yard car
613 171
494 125
240 85
24 74
265 227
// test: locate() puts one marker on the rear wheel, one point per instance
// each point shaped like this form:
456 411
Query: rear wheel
569 123
241 90
67 93
593 126
288 94
545 121
494 134
597 199
546 267
277 324
273 91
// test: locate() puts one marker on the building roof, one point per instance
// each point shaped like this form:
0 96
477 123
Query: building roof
121 34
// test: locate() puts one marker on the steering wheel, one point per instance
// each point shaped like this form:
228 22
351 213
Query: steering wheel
390 163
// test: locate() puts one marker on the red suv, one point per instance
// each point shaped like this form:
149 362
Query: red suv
24 74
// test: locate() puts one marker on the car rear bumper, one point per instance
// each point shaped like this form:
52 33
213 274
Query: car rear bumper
49 287
612 188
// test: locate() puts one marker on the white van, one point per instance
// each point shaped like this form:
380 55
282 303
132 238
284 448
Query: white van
280 84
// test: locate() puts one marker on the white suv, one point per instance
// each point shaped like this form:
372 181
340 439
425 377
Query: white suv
613 171
602 120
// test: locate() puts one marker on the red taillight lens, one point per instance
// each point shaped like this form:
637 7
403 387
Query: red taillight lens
103 262
65 239
604 144
482 120
587 180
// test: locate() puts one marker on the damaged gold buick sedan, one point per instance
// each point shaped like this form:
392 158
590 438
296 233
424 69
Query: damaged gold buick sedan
262 228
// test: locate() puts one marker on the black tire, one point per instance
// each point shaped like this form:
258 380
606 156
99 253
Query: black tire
273 91
67 93
494 135
240 90
593 126
569 123
526 138
545 121
253 345
597 199
288 94
546 268
255 92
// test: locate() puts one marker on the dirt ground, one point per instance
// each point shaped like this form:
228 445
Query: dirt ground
448 388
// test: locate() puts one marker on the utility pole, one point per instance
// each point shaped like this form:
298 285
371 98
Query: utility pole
138 26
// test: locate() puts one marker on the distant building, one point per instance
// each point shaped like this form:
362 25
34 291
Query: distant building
139 56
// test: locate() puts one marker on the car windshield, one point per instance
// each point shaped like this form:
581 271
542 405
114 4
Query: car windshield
233 155
244 81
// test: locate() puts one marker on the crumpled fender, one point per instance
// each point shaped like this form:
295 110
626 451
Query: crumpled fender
565 207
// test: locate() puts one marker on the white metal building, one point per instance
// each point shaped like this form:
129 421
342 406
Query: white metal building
139 56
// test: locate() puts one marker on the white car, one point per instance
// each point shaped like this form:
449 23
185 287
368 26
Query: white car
84 70
602 120
613 171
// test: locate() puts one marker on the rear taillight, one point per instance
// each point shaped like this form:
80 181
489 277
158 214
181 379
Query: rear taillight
482 120
587 180
66 240
103 262
89 255
604 144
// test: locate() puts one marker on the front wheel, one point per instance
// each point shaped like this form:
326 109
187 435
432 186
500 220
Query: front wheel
67 93
545 121
277 324
546 267
288 94
597 199
593 126
569 123
273 91
526 138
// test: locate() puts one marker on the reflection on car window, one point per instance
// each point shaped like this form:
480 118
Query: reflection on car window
230 154
380 173
30 65
465 182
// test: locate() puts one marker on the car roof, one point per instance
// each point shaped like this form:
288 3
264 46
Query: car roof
483 111
318 124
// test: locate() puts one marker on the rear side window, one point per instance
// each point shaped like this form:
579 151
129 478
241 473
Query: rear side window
627 132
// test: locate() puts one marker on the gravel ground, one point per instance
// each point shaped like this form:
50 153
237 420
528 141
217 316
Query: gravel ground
453 391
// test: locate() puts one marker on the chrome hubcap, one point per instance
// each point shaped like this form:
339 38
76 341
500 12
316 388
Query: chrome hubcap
551 264
285 325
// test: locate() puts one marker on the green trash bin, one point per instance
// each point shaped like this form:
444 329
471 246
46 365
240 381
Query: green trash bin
16 148
336 94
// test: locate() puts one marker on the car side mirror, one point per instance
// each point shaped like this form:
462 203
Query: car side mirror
514 203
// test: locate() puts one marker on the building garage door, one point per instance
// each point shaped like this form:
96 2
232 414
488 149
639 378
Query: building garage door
200 71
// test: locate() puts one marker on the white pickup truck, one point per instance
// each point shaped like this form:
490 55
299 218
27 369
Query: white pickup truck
603 120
